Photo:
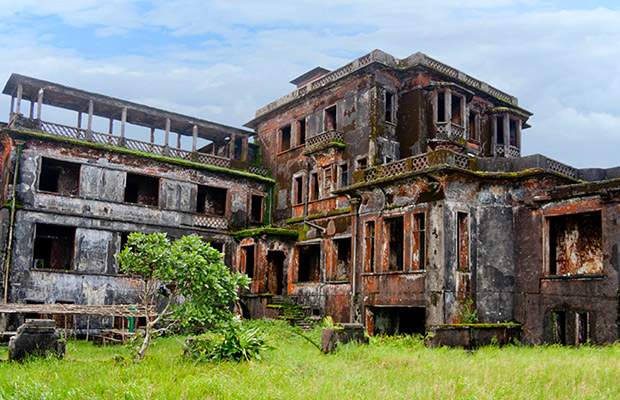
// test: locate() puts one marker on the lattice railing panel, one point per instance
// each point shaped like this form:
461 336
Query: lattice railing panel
208 221
213 160
63 130
500 150
456 130
415 163
324 138
179 153
443 128
461 161
562 168
514 151
258 170
105 138
419 162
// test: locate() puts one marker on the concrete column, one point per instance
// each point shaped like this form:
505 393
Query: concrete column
448 108
194 137
20 90
178 140
152 135
39 103
244 149
91 107
231 146
31 109
79 119
111 126
123 121
167 138
506 125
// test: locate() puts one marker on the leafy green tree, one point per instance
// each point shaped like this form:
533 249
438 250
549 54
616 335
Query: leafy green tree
189 274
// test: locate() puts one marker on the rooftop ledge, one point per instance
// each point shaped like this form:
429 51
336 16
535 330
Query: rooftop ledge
378 56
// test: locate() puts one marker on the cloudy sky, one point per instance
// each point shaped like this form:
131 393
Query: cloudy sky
221 60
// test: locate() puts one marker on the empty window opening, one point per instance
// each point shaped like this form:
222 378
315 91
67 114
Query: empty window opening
395 243
308 261
457 110
247 259
256 208
59 177
330 118
314 186
285 138
559 327
328 180
370 246
211 200
575 244
298 189
343 259
462 240
441 107
238 148
53 247
301 132
142 189
275 272
473 126
419 241
499 129
344 175
389 107
399 320
362 163
514 140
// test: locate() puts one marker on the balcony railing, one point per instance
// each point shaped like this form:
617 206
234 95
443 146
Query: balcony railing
450 130
210 221
323 139
502 150
72 132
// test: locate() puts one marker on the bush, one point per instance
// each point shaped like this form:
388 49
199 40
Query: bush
233 344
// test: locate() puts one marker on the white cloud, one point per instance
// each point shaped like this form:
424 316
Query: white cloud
221 60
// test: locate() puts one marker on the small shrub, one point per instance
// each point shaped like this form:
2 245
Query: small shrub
465 313
233 344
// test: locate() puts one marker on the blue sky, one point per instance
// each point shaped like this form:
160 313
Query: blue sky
221 60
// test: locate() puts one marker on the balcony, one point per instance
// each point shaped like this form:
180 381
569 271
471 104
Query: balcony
211 143
323 140
449 130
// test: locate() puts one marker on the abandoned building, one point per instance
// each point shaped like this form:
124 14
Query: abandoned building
390 192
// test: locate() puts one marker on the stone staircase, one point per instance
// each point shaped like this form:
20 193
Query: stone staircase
296 314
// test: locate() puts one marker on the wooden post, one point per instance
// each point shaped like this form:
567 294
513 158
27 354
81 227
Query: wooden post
87 327
194 137
20 90
74 329
39 103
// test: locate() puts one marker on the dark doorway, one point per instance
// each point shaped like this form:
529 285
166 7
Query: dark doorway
399 320
275 275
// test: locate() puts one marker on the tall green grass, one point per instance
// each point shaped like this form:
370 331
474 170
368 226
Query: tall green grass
387 368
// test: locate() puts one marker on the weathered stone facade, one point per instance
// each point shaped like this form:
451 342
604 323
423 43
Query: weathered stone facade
397 198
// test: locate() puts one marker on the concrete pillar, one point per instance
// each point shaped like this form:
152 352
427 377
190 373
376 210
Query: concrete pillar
506 125
178 140
79 119
231 146
194 137
123 121
167 138
39 103
31 109
20 90
111 126
152 135
244 149
91 107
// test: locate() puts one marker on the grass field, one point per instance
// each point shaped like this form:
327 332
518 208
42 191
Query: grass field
387 368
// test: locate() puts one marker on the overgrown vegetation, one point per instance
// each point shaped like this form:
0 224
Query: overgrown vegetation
235 344
196 286
387 368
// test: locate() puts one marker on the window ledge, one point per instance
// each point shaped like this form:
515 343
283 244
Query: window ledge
304 283
416 272
347 282
576 277
291 149
74 272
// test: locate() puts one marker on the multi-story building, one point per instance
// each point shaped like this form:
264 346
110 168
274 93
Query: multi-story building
73 194
405 181
391 192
